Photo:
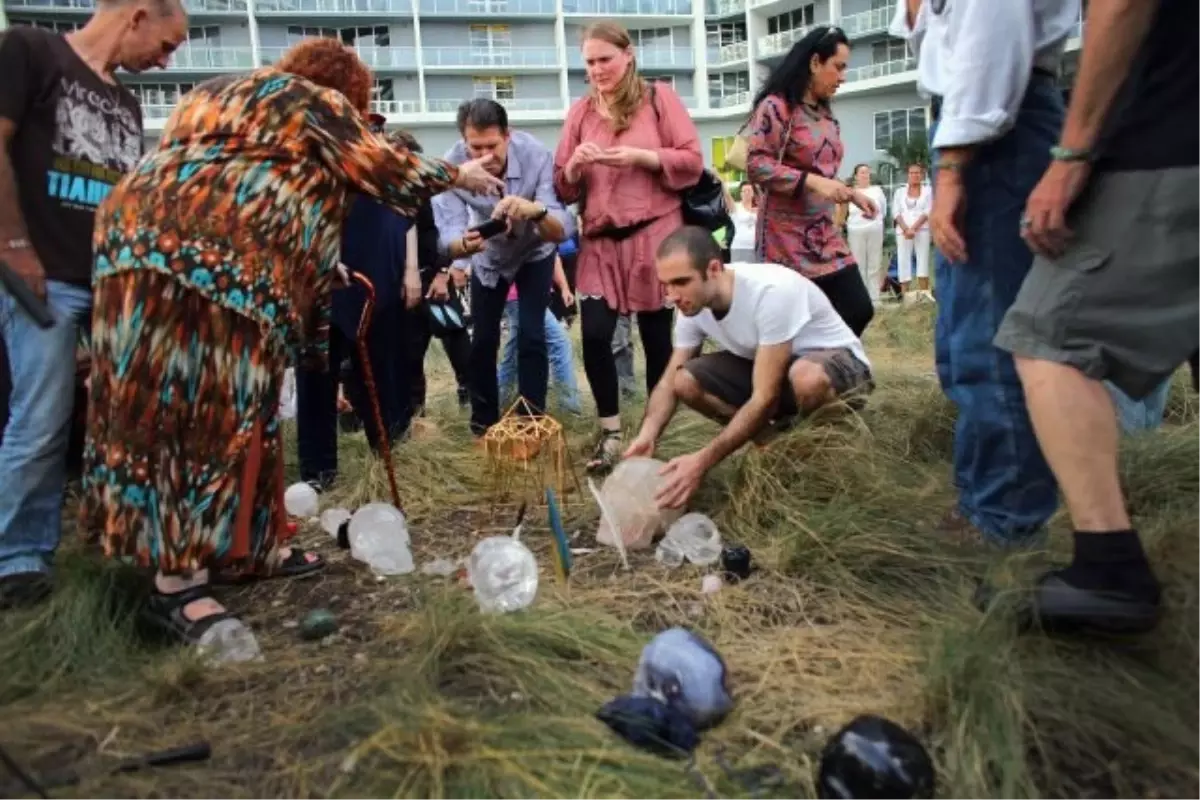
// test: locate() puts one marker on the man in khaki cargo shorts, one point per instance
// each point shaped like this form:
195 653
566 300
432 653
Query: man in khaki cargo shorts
1113 292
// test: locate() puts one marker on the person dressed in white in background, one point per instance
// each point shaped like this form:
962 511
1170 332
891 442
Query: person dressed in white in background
865 235
745 217
911 207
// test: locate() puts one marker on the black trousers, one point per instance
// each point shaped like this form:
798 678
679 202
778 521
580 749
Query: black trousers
598 322
316 395
557 307
848 294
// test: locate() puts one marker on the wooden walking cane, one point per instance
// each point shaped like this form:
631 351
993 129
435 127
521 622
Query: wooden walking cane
364 327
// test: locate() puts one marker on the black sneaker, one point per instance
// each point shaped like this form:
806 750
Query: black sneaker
1057 606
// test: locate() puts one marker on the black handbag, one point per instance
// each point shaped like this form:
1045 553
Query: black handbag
703 204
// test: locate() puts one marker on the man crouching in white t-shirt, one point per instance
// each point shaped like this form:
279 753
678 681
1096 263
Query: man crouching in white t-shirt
784 351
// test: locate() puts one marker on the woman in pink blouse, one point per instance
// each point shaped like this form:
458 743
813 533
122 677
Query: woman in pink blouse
795 150
627 149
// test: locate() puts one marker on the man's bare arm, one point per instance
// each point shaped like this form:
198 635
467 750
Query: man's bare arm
1115 31
662 403
12 222
770 371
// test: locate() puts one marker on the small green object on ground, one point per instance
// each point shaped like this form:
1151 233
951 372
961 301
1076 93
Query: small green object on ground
318 624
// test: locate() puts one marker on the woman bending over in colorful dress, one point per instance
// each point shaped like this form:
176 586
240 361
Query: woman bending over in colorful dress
214 262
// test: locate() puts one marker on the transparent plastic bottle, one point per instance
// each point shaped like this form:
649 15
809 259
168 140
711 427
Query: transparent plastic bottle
503 573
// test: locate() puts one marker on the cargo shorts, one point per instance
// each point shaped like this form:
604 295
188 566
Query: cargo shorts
730 378
1121 303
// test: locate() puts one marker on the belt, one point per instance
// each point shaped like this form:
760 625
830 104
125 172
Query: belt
935 103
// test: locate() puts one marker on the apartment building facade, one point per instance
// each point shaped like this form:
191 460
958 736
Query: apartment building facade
429 55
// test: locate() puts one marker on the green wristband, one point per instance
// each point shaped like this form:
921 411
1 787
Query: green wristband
1060 153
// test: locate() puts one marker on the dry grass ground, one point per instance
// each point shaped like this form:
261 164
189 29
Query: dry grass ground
857 607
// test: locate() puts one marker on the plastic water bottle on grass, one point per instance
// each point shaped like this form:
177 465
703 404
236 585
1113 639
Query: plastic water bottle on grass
379 538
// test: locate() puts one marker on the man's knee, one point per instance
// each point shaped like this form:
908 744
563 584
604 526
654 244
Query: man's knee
810 383
687 389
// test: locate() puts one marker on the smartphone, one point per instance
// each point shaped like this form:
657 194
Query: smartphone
493 227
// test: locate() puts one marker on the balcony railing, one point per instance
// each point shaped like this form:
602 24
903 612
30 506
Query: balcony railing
157 111
880 70
50 5
864 23
778 43
496 57
332 7
512 104
396 106
471 8
729 100
728 53
205 58
374 57
638 8
724 8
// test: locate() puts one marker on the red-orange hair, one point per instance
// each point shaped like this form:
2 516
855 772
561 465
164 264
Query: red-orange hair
329 63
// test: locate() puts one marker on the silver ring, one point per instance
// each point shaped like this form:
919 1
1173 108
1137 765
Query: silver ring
1024 222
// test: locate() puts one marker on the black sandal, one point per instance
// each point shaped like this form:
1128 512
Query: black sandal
296 565
606 453
163 613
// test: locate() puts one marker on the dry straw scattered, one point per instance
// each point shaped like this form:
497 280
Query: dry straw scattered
856 607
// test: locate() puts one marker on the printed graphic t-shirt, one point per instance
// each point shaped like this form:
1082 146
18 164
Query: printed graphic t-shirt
76 136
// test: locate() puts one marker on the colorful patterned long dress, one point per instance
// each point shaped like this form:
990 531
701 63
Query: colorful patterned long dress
214 266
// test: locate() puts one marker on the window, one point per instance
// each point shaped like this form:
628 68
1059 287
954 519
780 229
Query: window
497 87
791 20
667 79
160 94
383 91
367 36
720 146
489 38
728 84
47 25
897 125
487 6
889 50
723 33
207 35
297 32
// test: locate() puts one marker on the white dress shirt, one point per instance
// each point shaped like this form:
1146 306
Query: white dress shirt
978 56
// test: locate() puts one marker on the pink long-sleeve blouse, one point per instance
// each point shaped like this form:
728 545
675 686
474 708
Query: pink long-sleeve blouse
795 225
626 212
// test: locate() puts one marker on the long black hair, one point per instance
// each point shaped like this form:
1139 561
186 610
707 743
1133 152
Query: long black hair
790 79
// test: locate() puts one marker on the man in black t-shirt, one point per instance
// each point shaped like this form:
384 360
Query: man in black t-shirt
1113 293
68 131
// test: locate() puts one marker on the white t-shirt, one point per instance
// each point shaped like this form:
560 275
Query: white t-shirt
855 218
910 209
744 220
771 305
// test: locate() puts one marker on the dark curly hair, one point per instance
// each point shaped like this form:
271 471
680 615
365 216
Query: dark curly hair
329 63
403 138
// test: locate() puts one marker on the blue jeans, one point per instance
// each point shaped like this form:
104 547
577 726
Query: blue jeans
1139 416
558 348
33 455
1006 489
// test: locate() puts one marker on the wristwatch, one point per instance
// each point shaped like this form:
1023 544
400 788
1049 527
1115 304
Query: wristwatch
15 244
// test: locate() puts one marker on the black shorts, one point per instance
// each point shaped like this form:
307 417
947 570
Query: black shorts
730 378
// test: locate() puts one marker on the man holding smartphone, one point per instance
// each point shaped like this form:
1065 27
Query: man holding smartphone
509 241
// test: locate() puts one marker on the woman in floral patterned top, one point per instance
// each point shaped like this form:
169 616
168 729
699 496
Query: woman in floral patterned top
214 261
795 151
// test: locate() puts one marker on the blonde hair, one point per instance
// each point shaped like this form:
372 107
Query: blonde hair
626 99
